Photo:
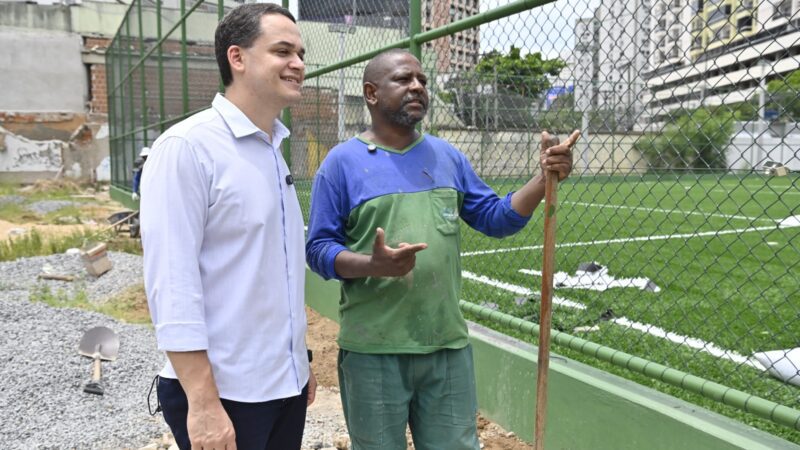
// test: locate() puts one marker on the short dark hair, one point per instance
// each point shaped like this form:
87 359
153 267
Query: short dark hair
376 64
241 26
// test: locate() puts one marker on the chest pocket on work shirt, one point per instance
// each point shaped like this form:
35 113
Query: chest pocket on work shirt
445 210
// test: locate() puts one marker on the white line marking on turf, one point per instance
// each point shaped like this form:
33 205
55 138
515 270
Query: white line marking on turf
786 223
695 343
779 194
691 342
518 289
670 211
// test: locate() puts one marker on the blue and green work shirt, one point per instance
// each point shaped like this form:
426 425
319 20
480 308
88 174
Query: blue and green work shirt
416 195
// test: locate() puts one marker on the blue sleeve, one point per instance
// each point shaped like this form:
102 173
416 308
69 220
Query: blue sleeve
326 221
483 210
137 176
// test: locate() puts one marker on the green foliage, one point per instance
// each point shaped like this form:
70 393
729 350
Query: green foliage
446 97
60 298
743 111
34 243
526 76
696 139
785 96
503 90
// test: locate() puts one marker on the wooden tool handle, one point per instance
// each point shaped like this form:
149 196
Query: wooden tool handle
96 369
545 312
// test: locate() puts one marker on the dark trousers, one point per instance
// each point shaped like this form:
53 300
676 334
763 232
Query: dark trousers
272 425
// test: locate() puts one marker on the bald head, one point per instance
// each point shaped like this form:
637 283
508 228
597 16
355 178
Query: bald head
378 65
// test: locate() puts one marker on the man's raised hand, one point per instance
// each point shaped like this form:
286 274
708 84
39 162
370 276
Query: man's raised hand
393 262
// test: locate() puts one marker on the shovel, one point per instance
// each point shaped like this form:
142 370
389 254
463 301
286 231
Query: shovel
98 343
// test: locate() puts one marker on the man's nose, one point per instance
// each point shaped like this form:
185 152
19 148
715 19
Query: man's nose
297 63
417 85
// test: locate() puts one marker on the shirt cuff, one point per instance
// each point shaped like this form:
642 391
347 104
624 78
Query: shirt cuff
330 260
182 337
514 218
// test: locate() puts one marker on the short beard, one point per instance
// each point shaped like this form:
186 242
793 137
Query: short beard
402 117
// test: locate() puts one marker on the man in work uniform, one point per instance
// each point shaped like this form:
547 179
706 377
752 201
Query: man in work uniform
377 202
223 236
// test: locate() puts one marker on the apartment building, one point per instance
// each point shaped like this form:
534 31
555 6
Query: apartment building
718 52
458 52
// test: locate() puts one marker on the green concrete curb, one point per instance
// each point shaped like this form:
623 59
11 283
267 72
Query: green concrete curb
587 408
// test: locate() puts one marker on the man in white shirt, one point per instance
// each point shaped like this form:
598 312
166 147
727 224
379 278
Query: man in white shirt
223 250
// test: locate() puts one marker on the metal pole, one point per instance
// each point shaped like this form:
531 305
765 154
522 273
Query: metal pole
758 150
220 15
340 121
132 112
162 109
112 116
184 62
142 79
421 38
415 27
766 409
286 116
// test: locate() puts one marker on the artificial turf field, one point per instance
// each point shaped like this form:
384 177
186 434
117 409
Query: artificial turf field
723 249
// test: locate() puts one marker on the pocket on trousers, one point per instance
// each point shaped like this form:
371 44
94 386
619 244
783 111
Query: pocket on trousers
461 380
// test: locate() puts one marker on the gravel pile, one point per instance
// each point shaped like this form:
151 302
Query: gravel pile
48 206
23 275
42 403
11 199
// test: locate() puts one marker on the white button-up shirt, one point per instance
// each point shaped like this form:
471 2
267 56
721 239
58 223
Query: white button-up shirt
224 263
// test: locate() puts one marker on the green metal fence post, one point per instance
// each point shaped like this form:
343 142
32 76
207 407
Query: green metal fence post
132 111
162 111
220 15
142 78
415 27
287 120
184 62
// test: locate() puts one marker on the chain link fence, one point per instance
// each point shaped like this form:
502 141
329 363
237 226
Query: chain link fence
679 230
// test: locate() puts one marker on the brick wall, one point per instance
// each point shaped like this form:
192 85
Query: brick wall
98 88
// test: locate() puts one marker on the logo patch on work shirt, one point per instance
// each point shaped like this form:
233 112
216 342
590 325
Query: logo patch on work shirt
449 214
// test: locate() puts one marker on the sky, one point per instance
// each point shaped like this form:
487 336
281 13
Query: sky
547 29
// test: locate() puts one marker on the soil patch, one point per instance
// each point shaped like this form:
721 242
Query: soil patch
321 338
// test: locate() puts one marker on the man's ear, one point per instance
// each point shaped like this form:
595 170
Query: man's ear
369 93
236 58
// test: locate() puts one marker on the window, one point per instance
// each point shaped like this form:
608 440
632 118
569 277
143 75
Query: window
745 24
784 9
724 32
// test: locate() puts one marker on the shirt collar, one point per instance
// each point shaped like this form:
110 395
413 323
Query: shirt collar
240 125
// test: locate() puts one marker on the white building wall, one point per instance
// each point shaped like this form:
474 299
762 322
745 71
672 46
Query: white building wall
623 55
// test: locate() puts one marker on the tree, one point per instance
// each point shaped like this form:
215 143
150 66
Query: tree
696 139
526 76
503 89
785 96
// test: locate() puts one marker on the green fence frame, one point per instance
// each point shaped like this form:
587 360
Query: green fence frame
131 110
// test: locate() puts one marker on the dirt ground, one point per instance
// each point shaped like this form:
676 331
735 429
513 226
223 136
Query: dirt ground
95 208
321 338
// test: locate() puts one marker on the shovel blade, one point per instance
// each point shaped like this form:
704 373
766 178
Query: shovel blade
100 340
